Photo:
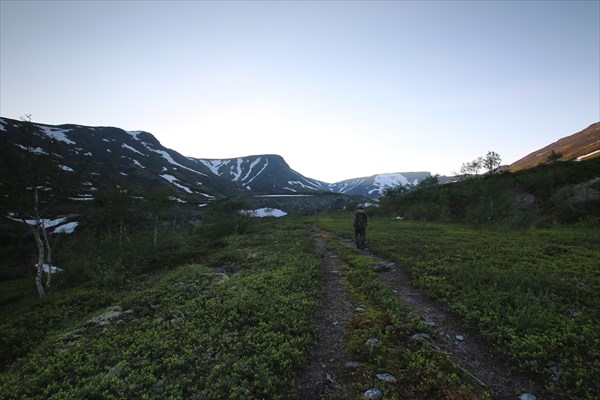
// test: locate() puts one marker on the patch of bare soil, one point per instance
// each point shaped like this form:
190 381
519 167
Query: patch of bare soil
467 348
328 374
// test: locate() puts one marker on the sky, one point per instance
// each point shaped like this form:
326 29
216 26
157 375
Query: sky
340 89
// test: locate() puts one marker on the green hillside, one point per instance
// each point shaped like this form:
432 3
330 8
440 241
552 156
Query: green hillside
561 192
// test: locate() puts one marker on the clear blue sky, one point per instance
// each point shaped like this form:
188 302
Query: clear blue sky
340 89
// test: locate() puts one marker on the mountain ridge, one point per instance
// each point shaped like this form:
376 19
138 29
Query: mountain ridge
138 158
584 144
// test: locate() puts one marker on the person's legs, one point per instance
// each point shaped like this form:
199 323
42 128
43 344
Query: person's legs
360 239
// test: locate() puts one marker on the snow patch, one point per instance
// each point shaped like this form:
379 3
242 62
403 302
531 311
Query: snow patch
134 134
173 180
52 269
583 157
169 159
48 223
131 148
136 162
214 165
57 134
264 212
37 150
69 227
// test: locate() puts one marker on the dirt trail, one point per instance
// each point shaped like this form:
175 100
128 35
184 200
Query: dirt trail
328 376
468 348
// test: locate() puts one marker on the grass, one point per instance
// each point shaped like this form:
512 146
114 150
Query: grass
234 318
192 332
534 293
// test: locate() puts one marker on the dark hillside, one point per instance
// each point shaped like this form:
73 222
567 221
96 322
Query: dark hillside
564 192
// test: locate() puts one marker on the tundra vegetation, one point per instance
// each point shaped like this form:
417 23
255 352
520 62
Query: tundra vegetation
150 307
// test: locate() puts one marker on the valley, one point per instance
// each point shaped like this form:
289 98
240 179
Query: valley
240 316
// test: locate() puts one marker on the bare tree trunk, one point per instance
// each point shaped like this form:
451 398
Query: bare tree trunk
40 264
48 257
39 226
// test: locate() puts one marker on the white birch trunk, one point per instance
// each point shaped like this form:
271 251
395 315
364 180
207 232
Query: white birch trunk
48 257
40 264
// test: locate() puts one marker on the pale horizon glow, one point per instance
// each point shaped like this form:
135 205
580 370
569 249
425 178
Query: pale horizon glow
339 89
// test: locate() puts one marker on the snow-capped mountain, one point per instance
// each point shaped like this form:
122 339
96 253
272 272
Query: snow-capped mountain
374 186
267 173
271 174
102 156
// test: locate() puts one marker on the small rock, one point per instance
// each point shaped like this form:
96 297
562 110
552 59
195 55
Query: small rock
352 364
359 309
382 267
386 377
527 396
556 373
332 381
460 338
372 342
373 394
420 337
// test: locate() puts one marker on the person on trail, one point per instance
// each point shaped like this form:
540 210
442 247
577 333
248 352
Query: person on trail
359 222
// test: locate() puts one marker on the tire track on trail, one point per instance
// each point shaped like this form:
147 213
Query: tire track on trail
328 374
467 348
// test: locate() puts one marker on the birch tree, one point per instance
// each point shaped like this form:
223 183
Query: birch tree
491 161
33 176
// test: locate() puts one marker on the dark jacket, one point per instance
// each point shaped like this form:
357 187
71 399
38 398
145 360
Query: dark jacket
359 222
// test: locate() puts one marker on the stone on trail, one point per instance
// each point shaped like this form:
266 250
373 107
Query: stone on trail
420 337
373 394
386 377
527 396
372 342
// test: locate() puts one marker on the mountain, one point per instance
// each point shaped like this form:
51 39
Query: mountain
262 174
271 174
374 186
579 146
98 157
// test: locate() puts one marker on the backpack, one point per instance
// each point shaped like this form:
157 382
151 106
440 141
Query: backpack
360 220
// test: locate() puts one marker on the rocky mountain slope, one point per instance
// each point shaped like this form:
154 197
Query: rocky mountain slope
100 157
267 173
97 157
374 186
271 174
582 145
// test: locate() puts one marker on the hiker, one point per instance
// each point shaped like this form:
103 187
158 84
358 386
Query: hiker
359 222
